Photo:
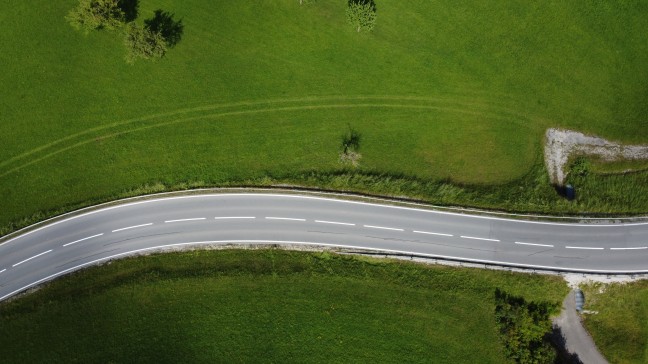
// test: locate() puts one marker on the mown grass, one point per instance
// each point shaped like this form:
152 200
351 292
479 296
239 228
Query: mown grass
265 306
620 324
447 94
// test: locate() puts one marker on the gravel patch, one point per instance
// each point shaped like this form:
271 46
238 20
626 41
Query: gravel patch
560 145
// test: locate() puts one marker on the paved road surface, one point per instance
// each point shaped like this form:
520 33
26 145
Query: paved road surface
114 231
577 339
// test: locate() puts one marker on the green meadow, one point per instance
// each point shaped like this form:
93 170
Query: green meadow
451 98
265 306
618 320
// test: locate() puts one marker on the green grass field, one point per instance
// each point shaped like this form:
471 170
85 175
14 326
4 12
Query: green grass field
265 306
620 328
451 98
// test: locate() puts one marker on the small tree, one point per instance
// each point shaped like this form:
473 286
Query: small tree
361 14
163 23
143 43
96 14
350 147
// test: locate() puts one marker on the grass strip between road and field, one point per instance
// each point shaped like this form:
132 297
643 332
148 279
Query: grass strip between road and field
617 318
266 306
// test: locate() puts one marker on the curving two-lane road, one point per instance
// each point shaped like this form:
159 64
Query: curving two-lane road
83 239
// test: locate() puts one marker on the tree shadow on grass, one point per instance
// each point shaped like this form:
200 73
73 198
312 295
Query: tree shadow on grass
164 23
371 3
130 9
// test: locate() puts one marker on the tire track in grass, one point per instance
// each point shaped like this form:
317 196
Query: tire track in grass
250 103
464 110
236 104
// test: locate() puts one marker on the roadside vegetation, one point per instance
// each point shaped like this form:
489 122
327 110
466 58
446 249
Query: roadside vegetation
617 319
268 306
452 101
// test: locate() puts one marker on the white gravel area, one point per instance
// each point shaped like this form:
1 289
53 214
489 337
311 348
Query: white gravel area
574 280
561 144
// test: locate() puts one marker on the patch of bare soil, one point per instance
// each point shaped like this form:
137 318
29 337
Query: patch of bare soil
560 145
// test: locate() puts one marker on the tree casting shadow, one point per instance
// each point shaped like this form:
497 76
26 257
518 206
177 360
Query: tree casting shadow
130 9
371 3
164 23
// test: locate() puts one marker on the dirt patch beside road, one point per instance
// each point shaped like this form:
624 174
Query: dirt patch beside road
560 145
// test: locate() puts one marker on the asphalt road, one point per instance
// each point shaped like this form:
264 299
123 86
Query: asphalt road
577 339
102 234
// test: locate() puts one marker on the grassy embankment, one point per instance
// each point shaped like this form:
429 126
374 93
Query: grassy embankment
452 100
265 306
620 326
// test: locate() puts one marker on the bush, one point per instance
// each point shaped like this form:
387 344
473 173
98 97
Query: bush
96 14
361 14
143 43
525 328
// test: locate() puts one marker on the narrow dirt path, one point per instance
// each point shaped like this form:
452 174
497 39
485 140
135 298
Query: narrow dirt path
577 339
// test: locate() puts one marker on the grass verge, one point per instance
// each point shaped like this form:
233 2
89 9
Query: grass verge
619 325
265 306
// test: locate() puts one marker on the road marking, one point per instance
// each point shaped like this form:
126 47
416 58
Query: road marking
633 248
382 227
334 222
100 209
125 203
35 256
132 227
431 233
433 256
534 244
76 241
476 238
583 247
2 271
234 217
182 220
284 218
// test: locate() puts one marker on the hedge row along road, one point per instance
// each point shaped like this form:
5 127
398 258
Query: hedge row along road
184 221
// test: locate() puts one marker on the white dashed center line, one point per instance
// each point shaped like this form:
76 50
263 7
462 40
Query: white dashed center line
431 233
334 222
534 244
2 271
28 259
132 227
182 220
284 218
583 247
382 228
89 237
234 217
476 238
633 248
